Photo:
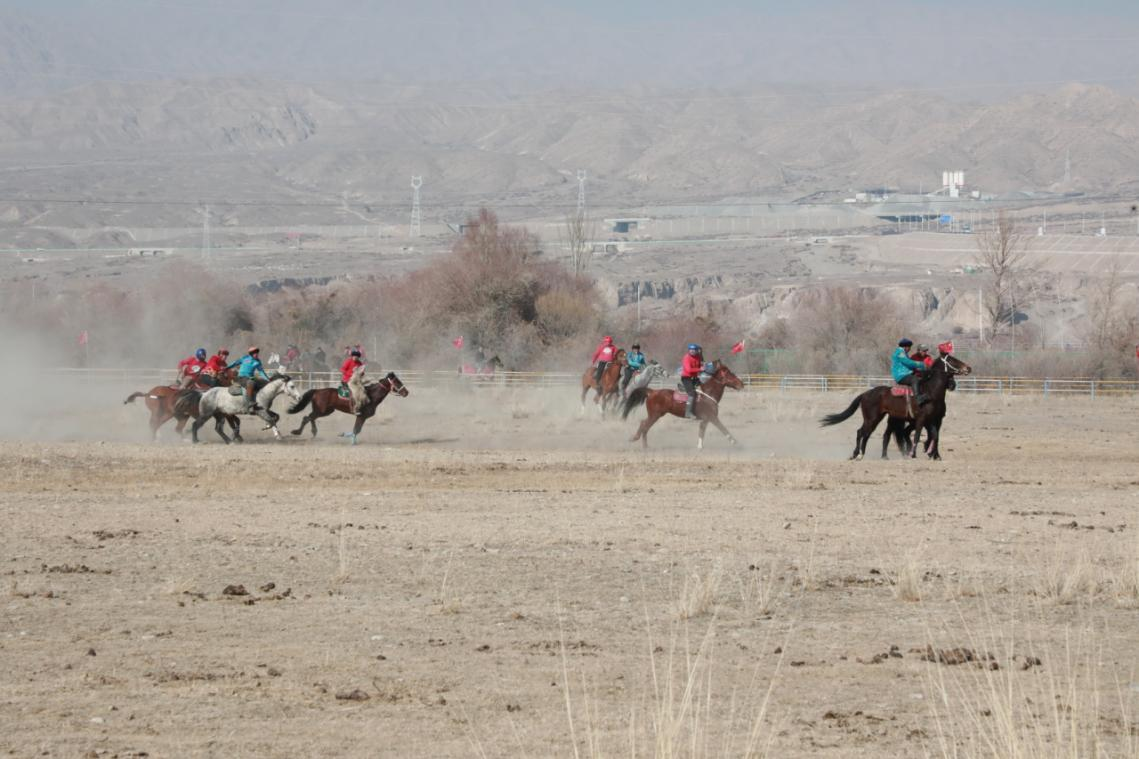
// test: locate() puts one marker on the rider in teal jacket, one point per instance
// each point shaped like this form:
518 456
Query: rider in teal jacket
635 361
905 370
249 366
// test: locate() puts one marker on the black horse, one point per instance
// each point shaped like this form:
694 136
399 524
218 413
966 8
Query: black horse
879 402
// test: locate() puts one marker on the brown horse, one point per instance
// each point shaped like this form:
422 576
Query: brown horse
325 400
661 402
609 389
879 402
162 400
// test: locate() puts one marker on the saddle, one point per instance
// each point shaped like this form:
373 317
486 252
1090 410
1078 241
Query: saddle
900 391
343 391
236 390
680 396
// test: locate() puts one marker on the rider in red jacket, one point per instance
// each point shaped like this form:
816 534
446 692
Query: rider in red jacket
214 368
690 369
604 354
347 371
190 368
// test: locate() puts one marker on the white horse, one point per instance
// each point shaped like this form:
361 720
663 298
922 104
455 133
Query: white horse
645 377
219 403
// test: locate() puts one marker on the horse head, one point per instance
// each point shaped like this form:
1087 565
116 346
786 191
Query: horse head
621 357
396 386
953 365
721 372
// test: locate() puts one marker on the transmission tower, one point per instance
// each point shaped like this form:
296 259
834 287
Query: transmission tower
206 233
416 214
581 192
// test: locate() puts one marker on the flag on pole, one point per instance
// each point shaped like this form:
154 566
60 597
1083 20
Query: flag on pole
739 347
83 337
458 342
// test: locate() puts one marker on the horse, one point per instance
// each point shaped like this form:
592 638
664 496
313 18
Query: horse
219 402
162 399
644 377
661 402
901 429
878 402
483 371
609 388
325 400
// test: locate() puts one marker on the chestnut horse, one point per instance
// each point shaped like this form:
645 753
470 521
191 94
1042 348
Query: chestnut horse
878 403
661 402
162 402
325 400
610 387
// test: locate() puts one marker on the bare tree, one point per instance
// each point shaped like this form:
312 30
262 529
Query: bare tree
1112 318
1003 252
576 236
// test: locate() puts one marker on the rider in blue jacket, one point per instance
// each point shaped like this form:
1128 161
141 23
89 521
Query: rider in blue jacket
249 366
635 361
905 370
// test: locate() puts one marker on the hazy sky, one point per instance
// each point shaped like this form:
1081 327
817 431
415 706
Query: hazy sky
969 45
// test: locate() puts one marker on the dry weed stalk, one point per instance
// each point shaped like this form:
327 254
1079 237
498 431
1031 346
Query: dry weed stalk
698 595
907 581
1066 577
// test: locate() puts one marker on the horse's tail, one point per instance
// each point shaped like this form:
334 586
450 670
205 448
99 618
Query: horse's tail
304 401
830 419
636 398
132 396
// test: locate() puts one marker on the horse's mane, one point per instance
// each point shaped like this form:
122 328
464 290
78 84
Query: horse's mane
278 376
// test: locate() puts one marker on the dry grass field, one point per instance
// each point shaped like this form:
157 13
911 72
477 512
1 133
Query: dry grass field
492 575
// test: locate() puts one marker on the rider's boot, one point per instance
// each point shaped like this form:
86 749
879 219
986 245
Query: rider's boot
920 399
250 399
690 408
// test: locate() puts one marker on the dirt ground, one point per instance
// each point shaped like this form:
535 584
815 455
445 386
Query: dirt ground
490 574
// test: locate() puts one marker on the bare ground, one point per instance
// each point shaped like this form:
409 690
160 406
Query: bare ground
510 579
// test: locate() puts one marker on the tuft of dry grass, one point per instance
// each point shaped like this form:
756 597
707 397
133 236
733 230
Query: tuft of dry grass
907 580
699 592
1066 576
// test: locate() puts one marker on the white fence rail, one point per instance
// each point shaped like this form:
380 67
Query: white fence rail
781 383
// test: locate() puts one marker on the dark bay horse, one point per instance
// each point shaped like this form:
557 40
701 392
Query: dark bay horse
162 402
878 402
661 402
325 400
609 388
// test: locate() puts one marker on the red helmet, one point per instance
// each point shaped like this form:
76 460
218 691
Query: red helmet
607 340
946 347
223 352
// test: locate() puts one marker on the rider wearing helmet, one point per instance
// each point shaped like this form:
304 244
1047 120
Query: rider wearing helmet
634 362
352 369
690 369
214 368
602 357
190 368
248 367
921 355
905 370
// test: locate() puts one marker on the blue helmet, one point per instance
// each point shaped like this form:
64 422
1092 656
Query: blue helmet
200 353
905 342
693 347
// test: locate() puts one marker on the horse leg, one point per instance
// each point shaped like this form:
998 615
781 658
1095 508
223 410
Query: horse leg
934 440
301 429
357 427
219 425
700 438
197 425
918 425
720 426
643 430
235 425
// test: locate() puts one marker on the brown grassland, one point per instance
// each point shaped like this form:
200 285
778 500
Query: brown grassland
492 575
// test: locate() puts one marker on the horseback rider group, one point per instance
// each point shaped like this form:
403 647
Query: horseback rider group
200 373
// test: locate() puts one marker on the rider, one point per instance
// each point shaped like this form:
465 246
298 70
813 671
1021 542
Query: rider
602 357
634 362
347 372
190 368
249 366
905 370
292 354
214 368
921 355
690 369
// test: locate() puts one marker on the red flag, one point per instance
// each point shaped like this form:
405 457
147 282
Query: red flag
458 342
739 347
83 337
